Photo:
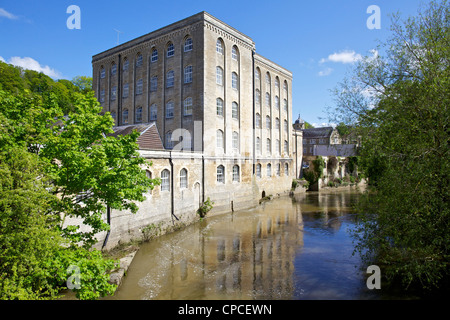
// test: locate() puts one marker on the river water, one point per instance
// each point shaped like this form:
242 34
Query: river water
286 248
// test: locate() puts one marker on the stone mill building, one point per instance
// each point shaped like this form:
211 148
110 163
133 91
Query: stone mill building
215 119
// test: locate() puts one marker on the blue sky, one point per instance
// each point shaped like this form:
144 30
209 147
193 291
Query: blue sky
317 40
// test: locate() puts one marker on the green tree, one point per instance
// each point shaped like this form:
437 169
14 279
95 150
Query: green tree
399 103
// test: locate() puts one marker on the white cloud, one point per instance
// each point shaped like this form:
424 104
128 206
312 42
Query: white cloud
345 56
31 64
1 59
6 14
325 72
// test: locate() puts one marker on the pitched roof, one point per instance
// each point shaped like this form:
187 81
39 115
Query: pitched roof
323 132
149 138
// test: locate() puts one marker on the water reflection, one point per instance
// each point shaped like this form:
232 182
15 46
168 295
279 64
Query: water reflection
288 248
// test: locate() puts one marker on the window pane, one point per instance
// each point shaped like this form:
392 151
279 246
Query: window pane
170 50
183 178
235 110
170 79
219 75
188 74
187 106
139 114
153 112
154 55
219 106
221 174
188 45
165 181
169 109
236 173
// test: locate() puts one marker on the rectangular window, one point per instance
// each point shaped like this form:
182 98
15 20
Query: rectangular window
188 74
187 107
170 79
236 173
153 112
169 110
219 76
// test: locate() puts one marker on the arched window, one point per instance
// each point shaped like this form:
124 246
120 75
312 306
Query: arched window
170 79
269 170
154 56
277 124
285 88
219 107
286 128
269 146
278 169
149 175
188 45
125 116
139 60
219 138
126 64
170 50
277 83
165 180
219 76
235 140
268 123
114 93
113 69
187 106
257 76
286 169
183 179
277 103
188 74
258 170
139 114
153 112
268 79
221 174
258 121
236 177
286 147
219 46
234 81
234 110
169 110
102 72
234 53
285 105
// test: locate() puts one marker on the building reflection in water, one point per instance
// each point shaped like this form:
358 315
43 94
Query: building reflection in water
244 255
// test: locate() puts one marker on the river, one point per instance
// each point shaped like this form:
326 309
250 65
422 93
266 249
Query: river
286 248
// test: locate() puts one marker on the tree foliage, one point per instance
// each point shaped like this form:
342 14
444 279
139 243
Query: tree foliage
58 159
399 103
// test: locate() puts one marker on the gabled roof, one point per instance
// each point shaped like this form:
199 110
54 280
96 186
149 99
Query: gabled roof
324 132
149 138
